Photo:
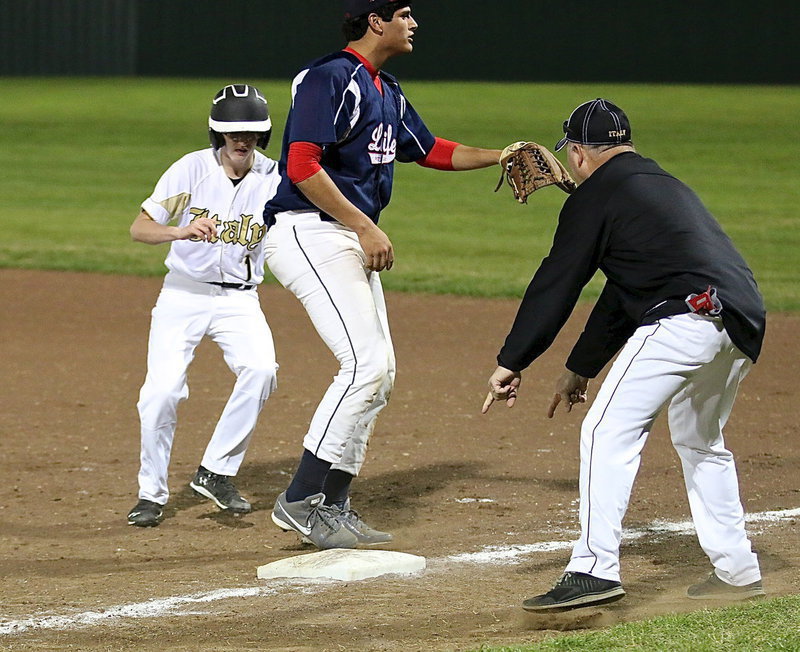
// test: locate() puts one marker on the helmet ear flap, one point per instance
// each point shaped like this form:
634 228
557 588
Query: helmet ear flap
216 139
263 139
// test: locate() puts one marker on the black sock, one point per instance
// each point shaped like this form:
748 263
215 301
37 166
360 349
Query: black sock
336 487
308 478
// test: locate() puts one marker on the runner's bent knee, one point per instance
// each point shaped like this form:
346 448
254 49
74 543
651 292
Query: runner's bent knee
260 376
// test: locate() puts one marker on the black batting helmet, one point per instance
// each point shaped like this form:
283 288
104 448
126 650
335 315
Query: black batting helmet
239 107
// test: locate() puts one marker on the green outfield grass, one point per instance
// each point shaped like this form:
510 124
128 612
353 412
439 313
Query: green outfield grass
763 625
79 155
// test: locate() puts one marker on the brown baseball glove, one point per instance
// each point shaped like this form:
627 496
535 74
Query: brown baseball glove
528 166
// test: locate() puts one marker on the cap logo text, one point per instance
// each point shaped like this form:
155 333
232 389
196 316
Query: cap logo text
616 134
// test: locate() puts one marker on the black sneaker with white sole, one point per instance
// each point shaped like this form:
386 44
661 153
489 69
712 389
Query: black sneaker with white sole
576 590
221 490
146 513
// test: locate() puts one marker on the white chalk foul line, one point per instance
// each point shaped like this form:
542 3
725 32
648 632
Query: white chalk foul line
510 554
148 609
488 555
506 554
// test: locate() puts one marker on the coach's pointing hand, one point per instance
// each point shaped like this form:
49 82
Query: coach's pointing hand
503 385
570 388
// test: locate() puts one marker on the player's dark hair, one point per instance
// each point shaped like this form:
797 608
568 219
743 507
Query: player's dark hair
355 28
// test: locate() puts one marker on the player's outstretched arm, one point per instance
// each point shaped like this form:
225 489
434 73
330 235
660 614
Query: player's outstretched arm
146 229
474 158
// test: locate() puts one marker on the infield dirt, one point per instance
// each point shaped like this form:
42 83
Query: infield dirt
444 478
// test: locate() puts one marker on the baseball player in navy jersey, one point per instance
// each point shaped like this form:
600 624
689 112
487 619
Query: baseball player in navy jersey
684 308
215 197
349 122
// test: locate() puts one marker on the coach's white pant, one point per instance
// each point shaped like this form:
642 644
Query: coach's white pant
323 264
688 362
185 312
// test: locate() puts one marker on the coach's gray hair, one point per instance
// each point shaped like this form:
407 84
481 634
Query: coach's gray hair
599 149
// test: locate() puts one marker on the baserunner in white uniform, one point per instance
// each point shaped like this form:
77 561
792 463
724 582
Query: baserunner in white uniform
209 206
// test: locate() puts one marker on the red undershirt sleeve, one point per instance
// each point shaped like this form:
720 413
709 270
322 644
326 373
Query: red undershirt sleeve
303 161
441 155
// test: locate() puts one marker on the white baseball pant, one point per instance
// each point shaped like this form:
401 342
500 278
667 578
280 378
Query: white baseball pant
323 264
184 313
689 363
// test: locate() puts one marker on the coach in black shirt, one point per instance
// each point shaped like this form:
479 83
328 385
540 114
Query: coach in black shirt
683 307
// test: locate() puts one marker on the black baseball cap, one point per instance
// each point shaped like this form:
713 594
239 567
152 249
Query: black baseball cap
354 8
598 122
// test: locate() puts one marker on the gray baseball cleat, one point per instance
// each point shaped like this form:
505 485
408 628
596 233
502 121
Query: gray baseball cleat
221 490
314 521
714 588
366 535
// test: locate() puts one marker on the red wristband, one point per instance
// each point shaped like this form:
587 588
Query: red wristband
441 155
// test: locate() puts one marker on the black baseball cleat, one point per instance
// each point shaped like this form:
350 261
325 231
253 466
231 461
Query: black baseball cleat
716 589
576 590
221 490
146 513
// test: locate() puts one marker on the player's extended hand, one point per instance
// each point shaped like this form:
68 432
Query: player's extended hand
203 228
570 388
503 385
377 249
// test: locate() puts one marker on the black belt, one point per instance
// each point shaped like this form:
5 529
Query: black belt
233 286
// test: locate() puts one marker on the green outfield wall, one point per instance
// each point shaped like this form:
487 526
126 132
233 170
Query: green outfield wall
703 41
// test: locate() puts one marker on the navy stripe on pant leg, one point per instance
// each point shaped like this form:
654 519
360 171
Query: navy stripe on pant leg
344 326
591 450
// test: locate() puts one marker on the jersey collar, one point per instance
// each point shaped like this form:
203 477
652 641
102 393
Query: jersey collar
370 68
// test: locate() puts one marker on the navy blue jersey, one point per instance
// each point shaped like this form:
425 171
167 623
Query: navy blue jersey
336 105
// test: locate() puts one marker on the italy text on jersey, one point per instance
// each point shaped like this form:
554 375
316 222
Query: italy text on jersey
243 231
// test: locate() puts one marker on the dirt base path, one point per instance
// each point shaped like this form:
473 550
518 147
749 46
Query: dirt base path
471 493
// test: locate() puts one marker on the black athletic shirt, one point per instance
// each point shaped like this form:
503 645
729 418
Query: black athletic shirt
656 243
